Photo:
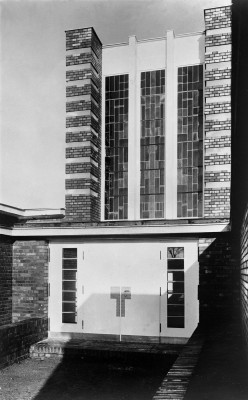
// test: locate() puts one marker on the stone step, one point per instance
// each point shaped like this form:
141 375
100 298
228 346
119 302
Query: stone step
103 349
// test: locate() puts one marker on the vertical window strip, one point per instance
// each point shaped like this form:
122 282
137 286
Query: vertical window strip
190 142
69 285
116 146
175 287
152 142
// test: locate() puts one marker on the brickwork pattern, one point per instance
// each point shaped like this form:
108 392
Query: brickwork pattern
87 89
244 273
218 40
222 176
218 289
83 207
5 280
217 202
216 57
215 159
85 151
218 18
216 91
81 184
87 204
217 149
81 136
217 74
82 58
75 168
213 125
217 108
16 339
30 279
218 142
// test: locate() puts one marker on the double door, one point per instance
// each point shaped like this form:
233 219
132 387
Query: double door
119 289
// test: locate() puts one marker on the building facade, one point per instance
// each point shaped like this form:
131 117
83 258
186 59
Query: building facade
143 249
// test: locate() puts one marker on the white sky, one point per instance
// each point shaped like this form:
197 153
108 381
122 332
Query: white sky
32 159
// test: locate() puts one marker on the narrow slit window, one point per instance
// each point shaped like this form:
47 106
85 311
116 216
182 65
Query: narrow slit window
69 285
175 287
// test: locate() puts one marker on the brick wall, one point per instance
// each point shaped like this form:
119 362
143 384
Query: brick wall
30 279
83 125
244 274
16 339
218 284
5 280
217 111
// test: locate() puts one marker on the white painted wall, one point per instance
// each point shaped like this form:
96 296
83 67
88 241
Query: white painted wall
140 265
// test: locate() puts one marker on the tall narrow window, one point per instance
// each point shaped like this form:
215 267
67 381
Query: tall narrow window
116 145
152 154
69 280
175 287
190 141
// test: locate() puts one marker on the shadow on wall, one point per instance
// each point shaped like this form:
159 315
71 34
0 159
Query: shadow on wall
219 280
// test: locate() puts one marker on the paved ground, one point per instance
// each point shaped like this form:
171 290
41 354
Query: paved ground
23 381
79 379
220 374
222 369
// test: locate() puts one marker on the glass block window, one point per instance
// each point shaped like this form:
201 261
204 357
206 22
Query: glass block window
116 146
152 142
69 280
175 287
190 142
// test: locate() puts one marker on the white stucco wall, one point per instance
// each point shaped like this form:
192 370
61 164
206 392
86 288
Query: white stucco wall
138 265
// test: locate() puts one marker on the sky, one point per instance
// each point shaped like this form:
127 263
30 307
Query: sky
32 84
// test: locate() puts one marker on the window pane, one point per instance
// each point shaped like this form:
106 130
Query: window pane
174 311
152 144
175 264
175 298
69 296
69 285
68 307
69 275
175 276
69 264
190 142
175 322
175 252
116 147
69 318
69 253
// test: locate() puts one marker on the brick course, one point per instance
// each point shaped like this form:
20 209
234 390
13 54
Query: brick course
216 57
214 125
217 108
218 40
216 91
75 168
217 74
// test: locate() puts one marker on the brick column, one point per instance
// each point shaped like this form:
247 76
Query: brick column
83 125
217 160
